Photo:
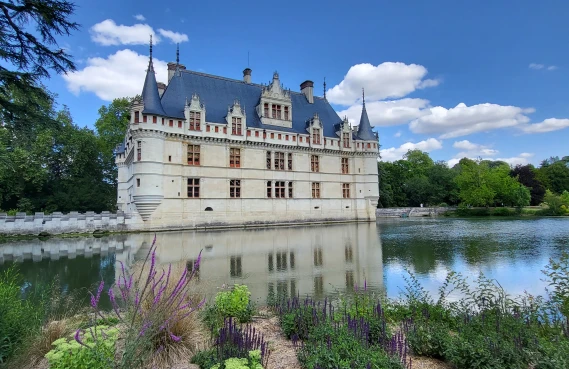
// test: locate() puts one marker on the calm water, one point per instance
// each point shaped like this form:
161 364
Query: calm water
320 260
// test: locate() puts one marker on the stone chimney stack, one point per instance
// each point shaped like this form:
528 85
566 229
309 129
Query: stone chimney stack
161 88
247 75
172 69
307 88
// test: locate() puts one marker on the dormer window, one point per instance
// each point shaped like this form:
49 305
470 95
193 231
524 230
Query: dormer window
136 117
316 136
346 139
195 121
286 113
236 126
266 111
275 107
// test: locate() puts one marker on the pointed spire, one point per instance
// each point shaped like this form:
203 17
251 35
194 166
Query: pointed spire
150 94
324 88
365 132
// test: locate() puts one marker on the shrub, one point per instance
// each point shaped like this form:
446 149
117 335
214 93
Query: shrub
501 212
233 303
156 310
428 339
251 362
94 348
234 343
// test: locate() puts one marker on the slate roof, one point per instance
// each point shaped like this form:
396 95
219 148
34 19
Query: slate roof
217 93
150 94
365 132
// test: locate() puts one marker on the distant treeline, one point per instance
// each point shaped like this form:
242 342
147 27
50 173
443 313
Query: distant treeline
417 179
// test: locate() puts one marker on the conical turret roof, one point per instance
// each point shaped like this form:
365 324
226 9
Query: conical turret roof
150 94
365 132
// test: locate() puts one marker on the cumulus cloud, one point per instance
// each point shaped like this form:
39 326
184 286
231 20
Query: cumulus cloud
109 33
396 153
521 159
463 120
175 37
119 75
387 113
548 125
386 80
397 134
538 66
139 17
473 149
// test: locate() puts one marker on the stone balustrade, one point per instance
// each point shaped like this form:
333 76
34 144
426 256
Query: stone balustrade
411 212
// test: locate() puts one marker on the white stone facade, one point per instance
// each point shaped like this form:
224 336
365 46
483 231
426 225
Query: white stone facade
159 170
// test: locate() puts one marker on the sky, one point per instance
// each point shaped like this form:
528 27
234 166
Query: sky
485 79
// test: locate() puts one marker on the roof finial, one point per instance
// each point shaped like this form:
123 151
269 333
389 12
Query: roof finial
324 88
178 53
363 97
150 48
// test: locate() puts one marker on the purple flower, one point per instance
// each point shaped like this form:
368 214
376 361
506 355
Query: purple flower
78 337
174 337
95 299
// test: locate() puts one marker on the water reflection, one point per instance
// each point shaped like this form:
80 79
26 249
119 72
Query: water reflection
319 260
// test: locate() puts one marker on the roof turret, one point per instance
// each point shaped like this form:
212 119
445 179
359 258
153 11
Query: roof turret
150 95
365 132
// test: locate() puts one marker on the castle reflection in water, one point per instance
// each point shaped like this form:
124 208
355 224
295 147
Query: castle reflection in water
278 262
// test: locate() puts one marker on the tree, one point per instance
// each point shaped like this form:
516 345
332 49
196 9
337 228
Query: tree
526 175
112 124
442 187
474 183
557 204
32 54
556 176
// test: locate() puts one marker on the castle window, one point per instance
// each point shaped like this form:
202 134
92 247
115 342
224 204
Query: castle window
136 117
236 126
368 145
269 189
235 188
256 133
248 133
315 190
294 138
279 189
162 121
195 121
194 187
235 267
290 190
314 163
300 138
346 190
139 151
144 118
286 113
280 136
346 138
179 124
207 128
269 160
216 129
274 111
358 145
279 161
193 154
235 158
279 116
345 166
154 119
289 161
272 135
138 182
316 136
171 123
286 137
266 110
224 129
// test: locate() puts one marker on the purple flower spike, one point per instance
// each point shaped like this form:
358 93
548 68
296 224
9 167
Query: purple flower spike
174 337
78 338
365 284
95 299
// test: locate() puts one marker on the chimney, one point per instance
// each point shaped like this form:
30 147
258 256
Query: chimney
161 88
172 69
307 88
247 75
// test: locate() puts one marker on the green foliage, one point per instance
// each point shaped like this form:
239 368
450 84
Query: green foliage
501 212
430 340
19 318
556 204
97 350
232 303
252 362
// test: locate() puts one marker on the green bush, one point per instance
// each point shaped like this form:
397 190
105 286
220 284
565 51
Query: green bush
19 318
252 362
234 303
429 339
96 350
502 212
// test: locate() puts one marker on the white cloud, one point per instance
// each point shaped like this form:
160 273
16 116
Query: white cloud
139 17
119 75
175 37
521 159
473 149
548 125
538 66
463 120
397 134
394 153
387 113
109 33
526 154
386 80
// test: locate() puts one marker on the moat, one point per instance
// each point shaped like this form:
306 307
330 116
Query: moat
319 260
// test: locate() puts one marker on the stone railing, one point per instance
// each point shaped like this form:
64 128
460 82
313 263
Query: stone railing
58 223
411 212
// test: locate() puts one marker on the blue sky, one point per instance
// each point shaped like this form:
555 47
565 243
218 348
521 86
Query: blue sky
489 79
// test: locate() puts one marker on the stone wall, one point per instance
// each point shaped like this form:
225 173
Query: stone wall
411 212
58 223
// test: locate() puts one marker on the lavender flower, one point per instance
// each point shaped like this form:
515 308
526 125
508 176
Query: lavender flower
95 299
